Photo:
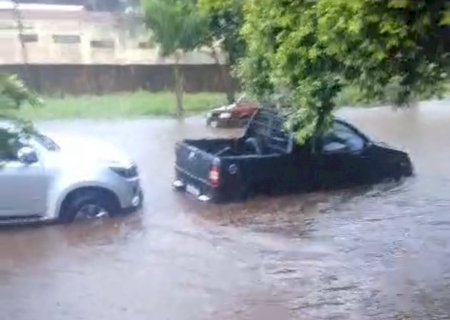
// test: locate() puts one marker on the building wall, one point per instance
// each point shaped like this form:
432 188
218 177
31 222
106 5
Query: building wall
98 5
73 35
69 50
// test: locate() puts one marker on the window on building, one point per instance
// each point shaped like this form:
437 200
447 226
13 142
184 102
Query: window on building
103 44
28 37
8 26
66 38
146 45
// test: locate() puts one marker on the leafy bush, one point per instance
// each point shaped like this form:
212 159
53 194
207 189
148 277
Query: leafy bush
14 93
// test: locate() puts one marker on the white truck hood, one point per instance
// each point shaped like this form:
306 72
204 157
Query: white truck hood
86 150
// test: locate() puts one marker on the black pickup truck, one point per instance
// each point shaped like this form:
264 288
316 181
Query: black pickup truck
266 159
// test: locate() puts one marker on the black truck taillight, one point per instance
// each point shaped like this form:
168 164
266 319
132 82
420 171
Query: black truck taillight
214 176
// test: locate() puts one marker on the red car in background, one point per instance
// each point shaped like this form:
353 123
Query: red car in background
235 115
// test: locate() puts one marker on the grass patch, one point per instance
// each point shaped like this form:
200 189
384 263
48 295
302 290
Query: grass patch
118 106
147 104
447 89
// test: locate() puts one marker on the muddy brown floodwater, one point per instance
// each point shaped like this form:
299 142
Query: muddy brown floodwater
374 253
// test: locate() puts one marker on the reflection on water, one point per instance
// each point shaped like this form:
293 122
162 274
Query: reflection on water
381 252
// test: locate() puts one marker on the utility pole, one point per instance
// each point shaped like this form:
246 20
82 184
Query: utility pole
19 25
24 51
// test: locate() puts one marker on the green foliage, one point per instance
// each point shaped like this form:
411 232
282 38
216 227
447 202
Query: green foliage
225 19
14 93
175 25
314 49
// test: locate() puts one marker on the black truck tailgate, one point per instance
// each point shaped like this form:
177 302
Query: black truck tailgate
192 163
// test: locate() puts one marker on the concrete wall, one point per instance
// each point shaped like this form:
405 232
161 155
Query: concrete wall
43 25
102 79
74 51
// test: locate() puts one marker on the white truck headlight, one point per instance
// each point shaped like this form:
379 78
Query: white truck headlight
225 115
130 172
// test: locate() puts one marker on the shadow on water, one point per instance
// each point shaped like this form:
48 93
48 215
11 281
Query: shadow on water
377 252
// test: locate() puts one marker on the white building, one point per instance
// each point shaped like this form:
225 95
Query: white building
69 34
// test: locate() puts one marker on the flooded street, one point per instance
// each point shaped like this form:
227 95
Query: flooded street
373 253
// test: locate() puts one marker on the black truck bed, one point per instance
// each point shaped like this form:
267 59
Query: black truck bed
236 162
229 148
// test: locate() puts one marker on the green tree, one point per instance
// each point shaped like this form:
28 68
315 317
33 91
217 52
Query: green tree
313 49
225 20
177 27
13 94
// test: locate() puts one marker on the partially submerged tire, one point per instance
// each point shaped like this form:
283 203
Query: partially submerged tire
88 204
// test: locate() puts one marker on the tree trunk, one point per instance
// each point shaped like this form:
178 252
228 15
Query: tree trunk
178 88
226 77
230 92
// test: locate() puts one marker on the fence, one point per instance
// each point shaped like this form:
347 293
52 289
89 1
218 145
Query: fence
103 79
